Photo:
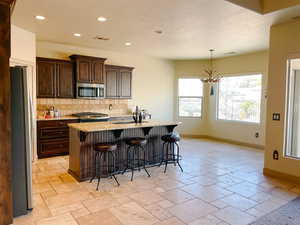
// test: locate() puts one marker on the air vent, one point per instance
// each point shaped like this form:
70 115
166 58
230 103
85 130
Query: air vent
101 38
230 53
296 18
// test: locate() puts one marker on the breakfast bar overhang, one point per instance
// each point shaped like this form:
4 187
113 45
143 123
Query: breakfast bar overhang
83 137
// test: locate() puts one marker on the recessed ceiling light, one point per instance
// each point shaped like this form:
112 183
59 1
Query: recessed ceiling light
127 43
101 19
77 35
40 17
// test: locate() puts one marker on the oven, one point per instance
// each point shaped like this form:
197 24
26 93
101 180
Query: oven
90 91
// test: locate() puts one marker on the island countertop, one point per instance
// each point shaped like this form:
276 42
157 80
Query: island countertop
115 125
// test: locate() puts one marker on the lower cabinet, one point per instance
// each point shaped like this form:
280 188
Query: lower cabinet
48 148
53 137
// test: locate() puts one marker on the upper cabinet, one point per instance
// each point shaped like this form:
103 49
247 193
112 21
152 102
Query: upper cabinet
65 80
118 81
89 69
54 78
58 78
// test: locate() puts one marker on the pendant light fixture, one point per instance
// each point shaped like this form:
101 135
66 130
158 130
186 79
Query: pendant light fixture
213 77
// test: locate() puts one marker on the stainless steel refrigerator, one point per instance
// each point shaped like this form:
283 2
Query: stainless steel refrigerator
21 121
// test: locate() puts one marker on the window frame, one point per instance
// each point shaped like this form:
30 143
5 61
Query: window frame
218 99
287 114
179 97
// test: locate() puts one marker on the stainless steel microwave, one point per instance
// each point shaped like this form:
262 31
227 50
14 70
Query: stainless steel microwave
90 91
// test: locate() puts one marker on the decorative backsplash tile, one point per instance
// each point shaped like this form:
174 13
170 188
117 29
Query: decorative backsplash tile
70 106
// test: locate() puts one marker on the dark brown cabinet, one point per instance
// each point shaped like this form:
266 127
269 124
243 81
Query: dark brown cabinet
46 77
111 85
118 81
65 80
83 71
54 78
53 137
89 69
125 80
97 69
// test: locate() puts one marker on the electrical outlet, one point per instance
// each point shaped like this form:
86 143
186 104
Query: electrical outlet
257 135
276 116
275 155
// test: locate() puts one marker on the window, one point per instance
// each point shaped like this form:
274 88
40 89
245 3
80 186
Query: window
240 98
292 122
190 97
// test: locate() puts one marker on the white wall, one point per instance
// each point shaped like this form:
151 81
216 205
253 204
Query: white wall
191 69
256 63
22 45
284 45
153 79
236 65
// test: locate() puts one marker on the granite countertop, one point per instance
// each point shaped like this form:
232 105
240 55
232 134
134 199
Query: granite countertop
41 118
104 126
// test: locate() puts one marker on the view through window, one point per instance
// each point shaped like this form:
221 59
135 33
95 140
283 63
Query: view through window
240 98
190 97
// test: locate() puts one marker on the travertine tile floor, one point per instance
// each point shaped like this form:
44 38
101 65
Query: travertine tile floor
222 184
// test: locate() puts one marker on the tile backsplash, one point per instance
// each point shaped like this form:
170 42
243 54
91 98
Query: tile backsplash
70 106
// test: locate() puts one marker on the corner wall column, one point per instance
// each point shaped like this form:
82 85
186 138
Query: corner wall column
5 127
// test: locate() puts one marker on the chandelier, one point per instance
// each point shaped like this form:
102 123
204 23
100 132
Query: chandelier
213 77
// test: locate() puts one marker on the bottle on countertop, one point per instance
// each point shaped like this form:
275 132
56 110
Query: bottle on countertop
51 112
136 115
146 115
56 113
141 116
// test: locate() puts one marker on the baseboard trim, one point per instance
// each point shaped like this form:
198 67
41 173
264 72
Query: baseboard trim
283 176
196 136
262 147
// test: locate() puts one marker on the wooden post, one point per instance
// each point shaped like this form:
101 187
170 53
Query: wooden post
5 127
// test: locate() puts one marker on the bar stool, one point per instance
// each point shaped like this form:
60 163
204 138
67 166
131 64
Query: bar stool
134 150
169 155
105 149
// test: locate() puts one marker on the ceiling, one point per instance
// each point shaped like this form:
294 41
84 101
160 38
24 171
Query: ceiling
190 28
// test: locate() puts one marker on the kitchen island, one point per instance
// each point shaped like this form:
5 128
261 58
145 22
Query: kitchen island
83 137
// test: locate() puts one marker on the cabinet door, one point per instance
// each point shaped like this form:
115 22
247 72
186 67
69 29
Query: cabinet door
48 148
84 71
97 72
65 81
111 83
125 77
46 78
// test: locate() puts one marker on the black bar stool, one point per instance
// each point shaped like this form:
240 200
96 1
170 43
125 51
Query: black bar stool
134 151
105 149
168 150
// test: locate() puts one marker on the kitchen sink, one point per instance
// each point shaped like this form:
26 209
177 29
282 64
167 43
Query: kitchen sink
126 122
